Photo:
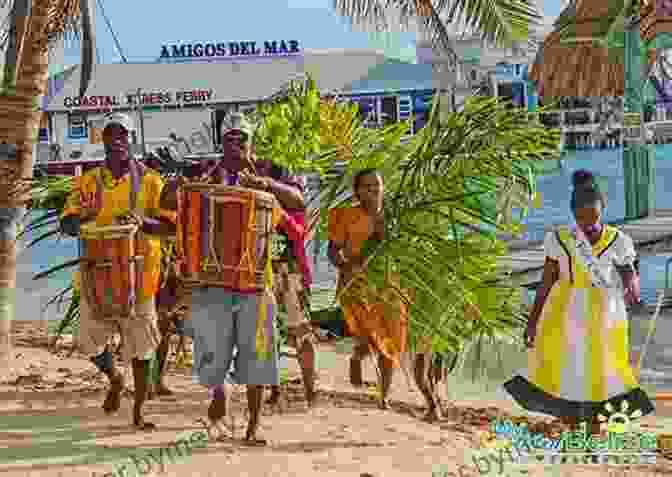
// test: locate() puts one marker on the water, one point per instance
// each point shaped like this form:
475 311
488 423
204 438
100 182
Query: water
555 190
607 165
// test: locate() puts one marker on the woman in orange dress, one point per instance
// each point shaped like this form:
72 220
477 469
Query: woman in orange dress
377 325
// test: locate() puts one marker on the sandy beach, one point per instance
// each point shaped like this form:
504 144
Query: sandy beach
52 425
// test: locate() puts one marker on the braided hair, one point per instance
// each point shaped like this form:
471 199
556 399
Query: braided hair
586 190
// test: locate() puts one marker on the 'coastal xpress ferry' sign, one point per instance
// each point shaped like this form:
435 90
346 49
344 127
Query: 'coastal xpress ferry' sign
146 98
235 49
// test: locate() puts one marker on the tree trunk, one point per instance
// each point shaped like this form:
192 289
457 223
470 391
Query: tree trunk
19 124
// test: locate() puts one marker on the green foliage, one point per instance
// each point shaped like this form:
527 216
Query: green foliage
288 131
442 187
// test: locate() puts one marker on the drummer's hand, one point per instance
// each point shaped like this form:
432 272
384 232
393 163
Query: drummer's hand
137 219
253 182
89 207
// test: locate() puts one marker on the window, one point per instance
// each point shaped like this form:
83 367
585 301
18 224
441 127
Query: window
368 110
389 110
473 76
422 107
77 126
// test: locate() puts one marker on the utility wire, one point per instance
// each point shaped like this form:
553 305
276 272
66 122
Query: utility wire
114 36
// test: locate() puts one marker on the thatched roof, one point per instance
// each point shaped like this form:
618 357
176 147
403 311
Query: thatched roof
583 68
652 24
579 70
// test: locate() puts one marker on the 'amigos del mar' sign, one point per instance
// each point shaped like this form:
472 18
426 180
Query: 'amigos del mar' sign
235 49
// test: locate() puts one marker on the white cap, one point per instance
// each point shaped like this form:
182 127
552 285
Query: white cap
120 119
239 121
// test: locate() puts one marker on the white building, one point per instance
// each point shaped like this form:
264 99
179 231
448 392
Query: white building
189 98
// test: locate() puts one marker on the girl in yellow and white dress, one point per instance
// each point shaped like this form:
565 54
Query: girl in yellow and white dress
578 328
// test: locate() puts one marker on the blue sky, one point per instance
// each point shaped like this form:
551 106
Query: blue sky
142 26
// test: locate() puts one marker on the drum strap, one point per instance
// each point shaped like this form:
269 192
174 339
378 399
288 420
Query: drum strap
137 171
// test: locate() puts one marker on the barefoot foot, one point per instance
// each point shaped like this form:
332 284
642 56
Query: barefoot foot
432 415
142 425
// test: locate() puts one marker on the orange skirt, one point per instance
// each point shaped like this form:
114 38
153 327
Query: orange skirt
385 325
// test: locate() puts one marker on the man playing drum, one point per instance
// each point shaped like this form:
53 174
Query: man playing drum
100 198
221 319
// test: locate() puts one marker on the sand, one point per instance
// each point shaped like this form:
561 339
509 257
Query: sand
51 424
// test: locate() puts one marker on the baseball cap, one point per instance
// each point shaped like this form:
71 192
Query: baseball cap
237 121
120 119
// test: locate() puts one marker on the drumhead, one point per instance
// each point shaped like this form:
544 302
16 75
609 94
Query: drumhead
263 198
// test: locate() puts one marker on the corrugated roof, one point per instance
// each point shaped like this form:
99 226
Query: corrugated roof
395 75
232 81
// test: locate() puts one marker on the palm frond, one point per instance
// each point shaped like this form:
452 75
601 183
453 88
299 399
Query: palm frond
57 268
445 181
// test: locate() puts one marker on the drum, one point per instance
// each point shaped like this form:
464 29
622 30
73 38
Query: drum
111 270
224 233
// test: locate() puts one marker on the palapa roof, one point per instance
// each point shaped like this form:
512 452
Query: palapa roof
583 68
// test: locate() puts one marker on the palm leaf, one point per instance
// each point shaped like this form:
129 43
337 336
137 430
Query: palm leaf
440 185
57 268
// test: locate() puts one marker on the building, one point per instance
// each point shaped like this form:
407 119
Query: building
502 69
185 94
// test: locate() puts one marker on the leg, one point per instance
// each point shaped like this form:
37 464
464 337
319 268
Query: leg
162 355
105 363
360 351
256 366
422 366
275 395
212 328
141 390
307 363
93 338
141 337
303 340
255 394
386 368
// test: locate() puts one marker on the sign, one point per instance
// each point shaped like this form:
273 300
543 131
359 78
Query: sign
632 120
77 126
149 98
231 49
510 72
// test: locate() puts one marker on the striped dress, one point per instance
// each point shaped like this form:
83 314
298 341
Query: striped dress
579 361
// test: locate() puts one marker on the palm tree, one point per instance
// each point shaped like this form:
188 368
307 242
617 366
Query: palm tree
499 22
31 27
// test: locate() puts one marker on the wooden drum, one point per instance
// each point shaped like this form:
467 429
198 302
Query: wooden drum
224 233
111 271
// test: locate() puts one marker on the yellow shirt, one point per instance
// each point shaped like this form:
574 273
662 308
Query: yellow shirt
115 202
